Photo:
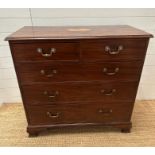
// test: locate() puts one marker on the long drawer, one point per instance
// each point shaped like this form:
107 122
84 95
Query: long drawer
113 49
83 92
90 113
59 72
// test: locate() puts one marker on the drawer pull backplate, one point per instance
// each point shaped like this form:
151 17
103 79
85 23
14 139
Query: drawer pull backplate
44 54
51 95
105 70
108 93
53 115
105 111
51 74
114 51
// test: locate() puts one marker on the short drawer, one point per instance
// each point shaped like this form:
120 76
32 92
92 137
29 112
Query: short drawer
46 51
91 113
42 94
59 72
114 49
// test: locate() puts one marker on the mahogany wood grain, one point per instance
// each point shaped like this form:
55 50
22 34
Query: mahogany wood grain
89 113
73 71
88 50
91 73
63 51
42 94
95 50
77 32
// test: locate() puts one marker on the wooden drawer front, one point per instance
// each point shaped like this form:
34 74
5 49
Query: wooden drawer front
45 51
91 113
114 49
72 92
52 72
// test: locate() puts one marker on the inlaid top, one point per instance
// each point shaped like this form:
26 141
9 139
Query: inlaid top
77 32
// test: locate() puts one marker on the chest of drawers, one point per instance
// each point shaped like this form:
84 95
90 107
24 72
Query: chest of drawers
78 76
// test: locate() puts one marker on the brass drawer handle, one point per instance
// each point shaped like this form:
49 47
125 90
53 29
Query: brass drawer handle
51 95
44 54
43 72
114 51
105 70
53 115
105 111
108 93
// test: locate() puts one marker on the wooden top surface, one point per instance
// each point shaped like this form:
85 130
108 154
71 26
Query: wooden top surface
77 32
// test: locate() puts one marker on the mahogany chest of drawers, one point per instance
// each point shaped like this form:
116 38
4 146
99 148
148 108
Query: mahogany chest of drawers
78 76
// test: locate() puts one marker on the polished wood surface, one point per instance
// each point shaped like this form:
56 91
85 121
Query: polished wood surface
77 32
73 76
96 50
29 51
87 50
61 93
88 113
73 71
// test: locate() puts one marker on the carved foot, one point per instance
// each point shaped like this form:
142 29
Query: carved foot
33 132
126 130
